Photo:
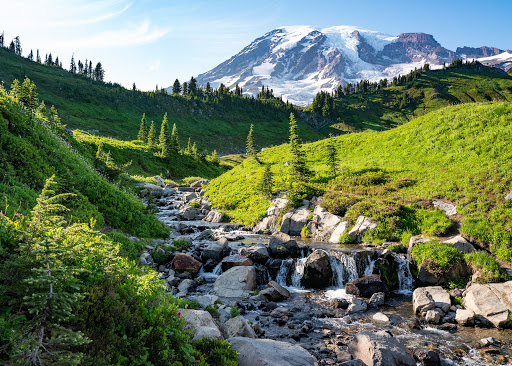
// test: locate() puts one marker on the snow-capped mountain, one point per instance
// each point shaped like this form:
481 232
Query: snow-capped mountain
298 61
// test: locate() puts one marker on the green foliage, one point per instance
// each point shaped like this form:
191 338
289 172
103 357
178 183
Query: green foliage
298 167
267 182
331 156
143 136
345 238
234 312
397 248
181 244
216 352
305 233
436 255
211 309
487 265
160 255
195 204
250 147
174 143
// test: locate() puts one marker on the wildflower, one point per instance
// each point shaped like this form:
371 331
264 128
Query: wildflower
1 214
179 313
28 225
17 214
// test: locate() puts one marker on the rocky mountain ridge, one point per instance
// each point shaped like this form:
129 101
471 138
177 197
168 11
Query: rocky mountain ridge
299 61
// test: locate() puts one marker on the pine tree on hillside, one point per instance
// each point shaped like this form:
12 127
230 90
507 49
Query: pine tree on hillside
41 110
250 148
174 143
38 57
152 135
142 136
176 87
194 151
45 337
2 40
215 158
28 95
185 88
31 56
208 90
15 89
192 86
189 146
12 48
99 73
53 117
164 136
17 46
267 182
332 159
72 65
298 164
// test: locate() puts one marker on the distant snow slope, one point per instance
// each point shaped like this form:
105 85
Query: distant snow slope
299 61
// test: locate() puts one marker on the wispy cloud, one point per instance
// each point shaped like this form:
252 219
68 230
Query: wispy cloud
90 20
130 36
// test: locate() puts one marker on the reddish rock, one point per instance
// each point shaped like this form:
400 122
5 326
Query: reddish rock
185 263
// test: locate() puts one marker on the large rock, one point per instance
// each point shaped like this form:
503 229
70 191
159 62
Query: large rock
202 322
294 221
366 286
461 244
267 352
189 197
276 292
281 245
235 260
491 301
159 181
322 224
356 305
269 223
214 216
448 208
154 189
339 231
238 327
236 282
317 270
380 349
189 213
363 224
185 263
199 183
465 316
213 251
426 298
426 276
433 316
257 253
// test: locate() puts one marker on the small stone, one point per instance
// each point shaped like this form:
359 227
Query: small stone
380 317
488 341
433 316
279 312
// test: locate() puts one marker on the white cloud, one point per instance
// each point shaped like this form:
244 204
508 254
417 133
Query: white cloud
90 20
154 66
130 36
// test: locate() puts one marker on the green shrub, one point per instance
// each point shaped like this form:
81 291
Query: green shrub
160 257
345 238
211 309
397 248
487 265
438 255
234 312
214 352
305 233
195 204
180 244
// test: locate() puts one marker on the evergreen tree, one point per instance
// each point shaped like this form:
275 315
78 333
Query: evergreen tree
208 89
250 148
57 63
41 110
80 67
174 143
15 89
142 130
134 87
49 60
31 56
72 65
53 117
192 86
194 152
28 95
38 57
45 337
12 48
176 87
298 164
90 71
17 46
189 147
185 88
164 136
332 159
267 182
215 158
152 135
2 40
99 73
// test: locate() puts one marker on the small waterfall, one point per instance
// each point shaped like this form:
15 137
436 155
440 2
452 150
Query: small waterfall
338 272
217 270
349 263
370 267
283 271
298 272
405 280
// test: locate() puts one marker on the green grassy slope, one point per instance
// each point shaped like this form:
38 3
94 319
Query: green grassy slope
395 105
116 112
460 153
31 151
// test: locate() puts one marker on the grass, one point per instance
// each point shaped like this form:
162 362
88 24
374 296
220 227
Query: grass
438 255
216 123
461 154
487 265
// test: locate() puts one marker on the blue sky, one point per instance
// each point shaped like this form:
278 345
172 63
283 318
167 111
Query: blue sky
152 42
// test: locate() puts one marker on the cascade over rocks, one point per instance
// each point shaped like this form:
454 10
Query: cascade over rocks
317 271
366 286
267 352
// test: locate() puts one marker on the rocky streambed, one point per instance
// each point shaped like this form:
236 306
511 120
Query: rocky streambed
282 301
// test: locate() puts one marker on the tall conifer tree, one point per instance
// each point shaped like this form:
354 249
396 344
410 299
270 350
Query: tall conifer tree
298 163
164 136
174 143
250 148
152 135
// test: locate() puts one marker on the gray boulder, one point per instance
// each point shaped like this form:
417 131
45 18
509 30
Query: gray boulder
238 327
461 244
366 286
339 231
509 196
281 245
363 224
380 349
465 316
159 181
377 300
276 292
323 223
214 216
318 270
236 282
212 251
267 352
189 213
235 260
356 305
491 301
257 253
202 322
294 221
154 189
426 298
189 197
433 316
448 208
199 183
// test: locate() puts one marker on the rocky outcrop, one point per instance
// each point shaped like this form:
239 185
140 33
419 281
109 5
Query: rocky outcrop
461 244
267 352
448 208
322 224
269 223
294 221
234 261
189 213
491 301
429 277
236 282
214 216
257 253
426 298
213 251
159 181
412 243
275 292
317 270
366 286
199 183
380 349
465 316
339 231
363 224
202 322
185 263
